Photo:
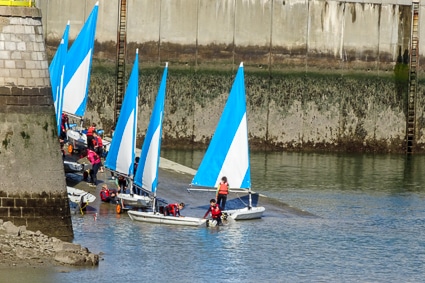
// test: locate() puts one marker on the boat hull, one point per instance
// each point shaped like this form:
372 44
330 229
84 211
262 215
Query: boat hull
245 213
79 140
79 196
134 201
155 217
73 167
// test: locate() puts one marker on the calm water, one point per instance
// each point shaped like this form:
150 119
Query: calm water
368 226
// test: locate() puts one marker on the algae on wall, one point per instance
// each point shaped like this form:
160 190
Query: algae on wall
286 111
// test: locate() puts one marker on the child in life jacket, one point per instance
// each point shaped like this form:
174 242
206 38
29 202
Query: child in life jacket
222 192
106 194
173 209
215 212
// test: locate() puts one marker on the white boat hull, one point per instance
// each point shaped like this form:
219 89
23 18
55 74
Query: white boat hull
134 201
72 167
155 217
79 139
245 213
79 196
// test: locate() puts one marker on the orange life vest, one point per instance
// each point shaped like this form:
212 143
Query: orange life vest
223 188
90 131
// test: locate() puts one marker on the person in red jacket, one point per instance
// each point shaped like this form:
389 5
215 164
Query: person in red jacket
222 192
89 135
106 194
95 164
64 126
98 147
173 209
215 212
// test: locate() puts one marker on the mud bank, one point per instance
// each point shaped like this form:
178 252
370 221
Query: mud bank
23 248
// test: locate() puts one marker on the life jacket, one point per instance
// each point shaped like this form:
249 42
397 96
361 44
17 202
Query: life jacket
104 195
90 131
95 143
215 211
223 188
93 157
99 141
64 120
173 208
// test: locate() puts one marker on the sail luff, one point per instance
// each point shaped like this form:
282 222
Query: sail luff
147 171
228 152
77 72
121 153
56 70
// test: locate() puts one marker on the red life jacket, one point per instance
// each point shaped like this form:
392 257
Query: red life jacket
104 195
173 208
90 131
223 188
215 211
99 141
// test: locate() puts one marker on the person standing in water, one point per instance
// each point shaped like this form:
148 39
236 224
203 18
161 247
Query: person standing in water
215 212
222 192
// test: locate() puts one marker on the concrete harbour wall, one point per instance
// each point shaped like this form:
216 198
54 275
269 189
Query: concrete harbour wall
321 75
278 34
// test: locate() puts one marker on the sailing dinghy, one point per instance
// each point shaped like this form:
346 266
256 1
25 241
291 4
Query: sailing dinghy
79 198
228 152
121 155
147 171
76 79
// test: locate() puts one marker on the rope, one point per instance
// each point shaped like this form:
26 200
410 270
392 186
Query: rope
241 199
82 207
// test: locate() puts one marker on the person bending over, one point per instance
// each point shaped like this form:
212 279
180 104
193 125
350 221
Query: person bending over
173 209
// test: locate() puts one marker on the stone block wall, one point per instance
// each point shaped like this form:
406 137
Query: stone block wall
32 186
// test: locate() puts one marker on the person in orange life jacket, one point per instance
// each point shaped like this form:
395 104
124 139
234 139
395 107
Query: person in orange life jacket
98 147
106 194
222 192
95 164
215 212
89 135
173 209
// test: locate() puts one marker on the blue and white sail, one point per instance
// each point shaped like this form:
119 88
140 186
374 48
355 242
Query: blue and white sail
121 153
228 151
78 67
147 170
57 71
